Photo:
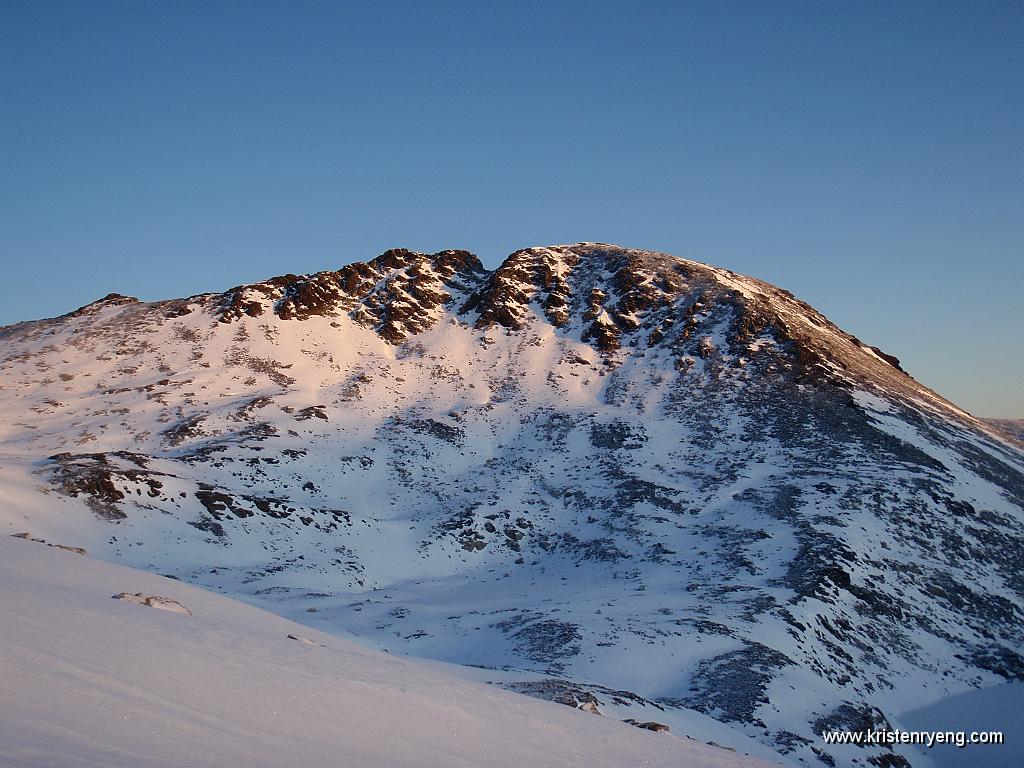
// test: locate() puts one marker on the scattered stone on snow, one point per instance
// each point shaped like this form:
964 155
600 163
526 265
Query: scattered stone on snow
153 601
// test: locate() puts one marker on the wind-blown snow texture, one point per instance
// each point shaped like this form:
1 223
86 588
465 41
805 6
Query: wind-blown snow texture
614 475
90 682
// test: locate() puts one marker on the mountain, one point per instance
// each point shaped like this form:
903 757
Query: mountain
1013 428
90 681
600 474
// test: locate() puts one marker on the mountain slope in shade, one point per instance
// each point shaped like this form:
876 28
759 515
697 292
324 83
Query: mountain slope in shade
90 681
605 475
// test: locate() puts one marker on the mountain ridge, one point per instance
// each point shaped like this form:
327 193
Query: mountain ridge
357 287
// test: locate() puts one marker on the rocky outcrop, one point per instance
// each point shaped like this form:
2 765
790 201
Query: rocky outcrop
397 294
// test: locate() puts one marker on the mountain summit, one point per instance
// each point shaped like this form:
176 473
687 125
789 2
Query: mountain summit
608 477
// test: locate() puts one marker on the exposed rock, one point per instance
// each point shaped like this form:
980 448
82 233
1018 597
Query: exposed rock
76 550
310 412
69 548
650 726
396 293
98 477
154 601
304 640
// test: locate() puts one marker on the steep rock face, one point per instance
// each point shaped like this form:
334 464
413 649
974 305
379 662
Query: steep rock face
607 475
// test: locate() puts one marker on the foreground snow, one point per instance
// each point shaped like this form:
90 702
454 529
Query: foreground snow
91 681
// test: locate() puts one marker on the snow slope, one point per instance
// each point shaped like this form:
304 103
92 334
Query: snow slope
88 681
602 475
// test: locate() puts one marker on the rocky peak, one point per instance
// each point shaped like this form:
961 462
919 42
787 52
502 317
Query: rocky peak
618 298
531 275
589 283
396 294
611 296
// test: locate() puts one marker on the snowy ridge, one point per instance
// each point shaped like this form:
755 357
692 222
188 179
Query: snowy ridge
610 475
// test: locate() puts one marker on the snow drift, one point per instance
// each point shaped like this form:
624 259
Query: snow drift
88 681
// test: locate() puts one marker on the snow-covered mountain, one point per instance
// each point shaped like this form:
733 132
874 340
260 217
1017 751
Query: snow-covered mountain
605 475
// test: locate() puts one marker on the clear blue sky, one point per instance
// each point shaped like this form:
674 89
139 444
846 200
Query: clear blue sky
868 156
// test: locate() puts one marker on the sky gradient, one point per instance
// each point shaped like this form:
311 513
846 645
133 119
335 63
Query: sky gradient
867 156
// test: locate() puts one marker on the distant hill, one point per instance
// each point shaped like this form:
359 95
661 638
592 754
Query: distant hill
1012 427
